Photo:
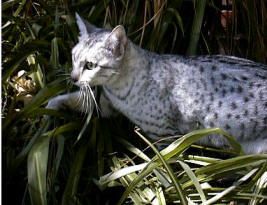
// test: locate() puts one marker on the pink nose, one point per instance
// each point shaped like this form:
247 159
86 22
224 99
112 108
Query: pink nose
75 76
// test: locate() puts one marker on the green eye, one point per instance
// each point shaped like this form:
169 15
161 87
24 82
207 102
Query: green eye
90 65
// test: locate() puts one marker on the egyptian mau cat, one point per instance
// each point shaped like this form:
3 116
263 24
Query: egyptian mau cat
169 94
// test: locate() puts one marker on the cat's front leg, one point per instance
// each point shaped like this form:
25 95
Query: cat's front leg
73 101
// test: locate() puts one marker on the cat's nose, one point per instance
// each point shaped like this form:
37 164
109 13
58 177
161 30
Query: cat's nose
75 76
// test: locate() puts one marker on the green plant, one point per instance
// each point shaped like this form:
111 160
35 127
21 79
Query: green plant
60 164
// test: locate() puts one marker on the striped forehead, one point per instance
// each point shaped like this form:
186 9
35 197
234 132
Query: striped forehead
85 44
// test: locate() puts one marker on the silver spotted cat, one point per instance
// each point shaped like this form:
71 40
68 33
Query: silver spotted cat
169 94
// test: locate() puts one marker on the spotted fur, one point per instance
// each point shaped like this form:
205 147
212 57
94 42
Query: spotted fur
170 94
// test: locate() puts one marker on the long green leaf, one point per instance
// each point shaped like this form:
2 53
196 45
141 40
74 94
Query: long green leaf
194 180
8 4
196 28
37 167
178 146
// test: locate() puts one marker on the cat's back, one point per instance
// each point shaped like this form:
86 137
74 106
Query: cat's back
224 76
219 91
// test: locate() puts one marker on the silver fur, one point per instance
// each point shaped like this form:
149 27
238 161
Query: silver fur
167 94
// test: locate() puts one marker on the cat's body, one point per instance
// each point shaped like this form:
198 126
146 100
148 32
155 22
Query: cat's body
167 94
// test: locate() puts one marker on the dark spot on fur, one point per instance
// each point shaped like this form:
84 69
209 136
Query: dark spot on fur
216 89
212 80
208 108
246 99
246 113
251 84
251 95
232 89
224 76
211 124
202 98
265 120
260 76
215 115
242 126
201 69
256 110
261 95
211 97
220 104
205 85
244 78
214 68
237 116
224 92
233 105
228 127
231 62
239 89
235 79
229 115
224 61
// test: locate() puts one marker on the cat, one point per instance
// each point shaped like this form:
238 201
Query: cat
169 94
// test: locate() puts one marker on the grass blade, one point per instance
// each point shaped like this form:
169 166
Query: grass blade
37 167
23 154
196 28
178 146
169 170
194 179
229 189
75 172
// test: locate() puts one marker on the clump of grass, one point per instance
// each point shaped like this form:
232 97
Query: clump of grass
44 156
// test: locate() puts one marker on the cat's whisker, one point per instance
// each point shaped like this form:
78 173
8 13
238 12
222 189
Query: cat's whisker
70 83
84 103
93 96
87 99
84 99
91 106
80 100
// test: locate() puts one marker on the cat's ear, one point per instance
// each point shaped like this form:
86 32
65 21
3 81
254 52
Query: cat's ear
84 26
117 40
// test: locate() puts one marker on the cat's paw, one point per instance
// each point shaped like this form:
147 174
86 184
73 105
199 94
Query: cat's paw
56 104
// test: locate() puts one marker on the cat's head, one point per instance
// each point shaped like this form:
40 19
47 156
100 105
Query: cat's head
98 55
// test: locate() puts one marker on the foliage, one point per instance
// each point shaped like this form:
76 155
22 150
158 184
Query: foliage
37 37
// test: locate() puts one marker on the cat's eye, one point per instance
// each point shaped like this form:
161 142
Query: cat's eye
90 65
